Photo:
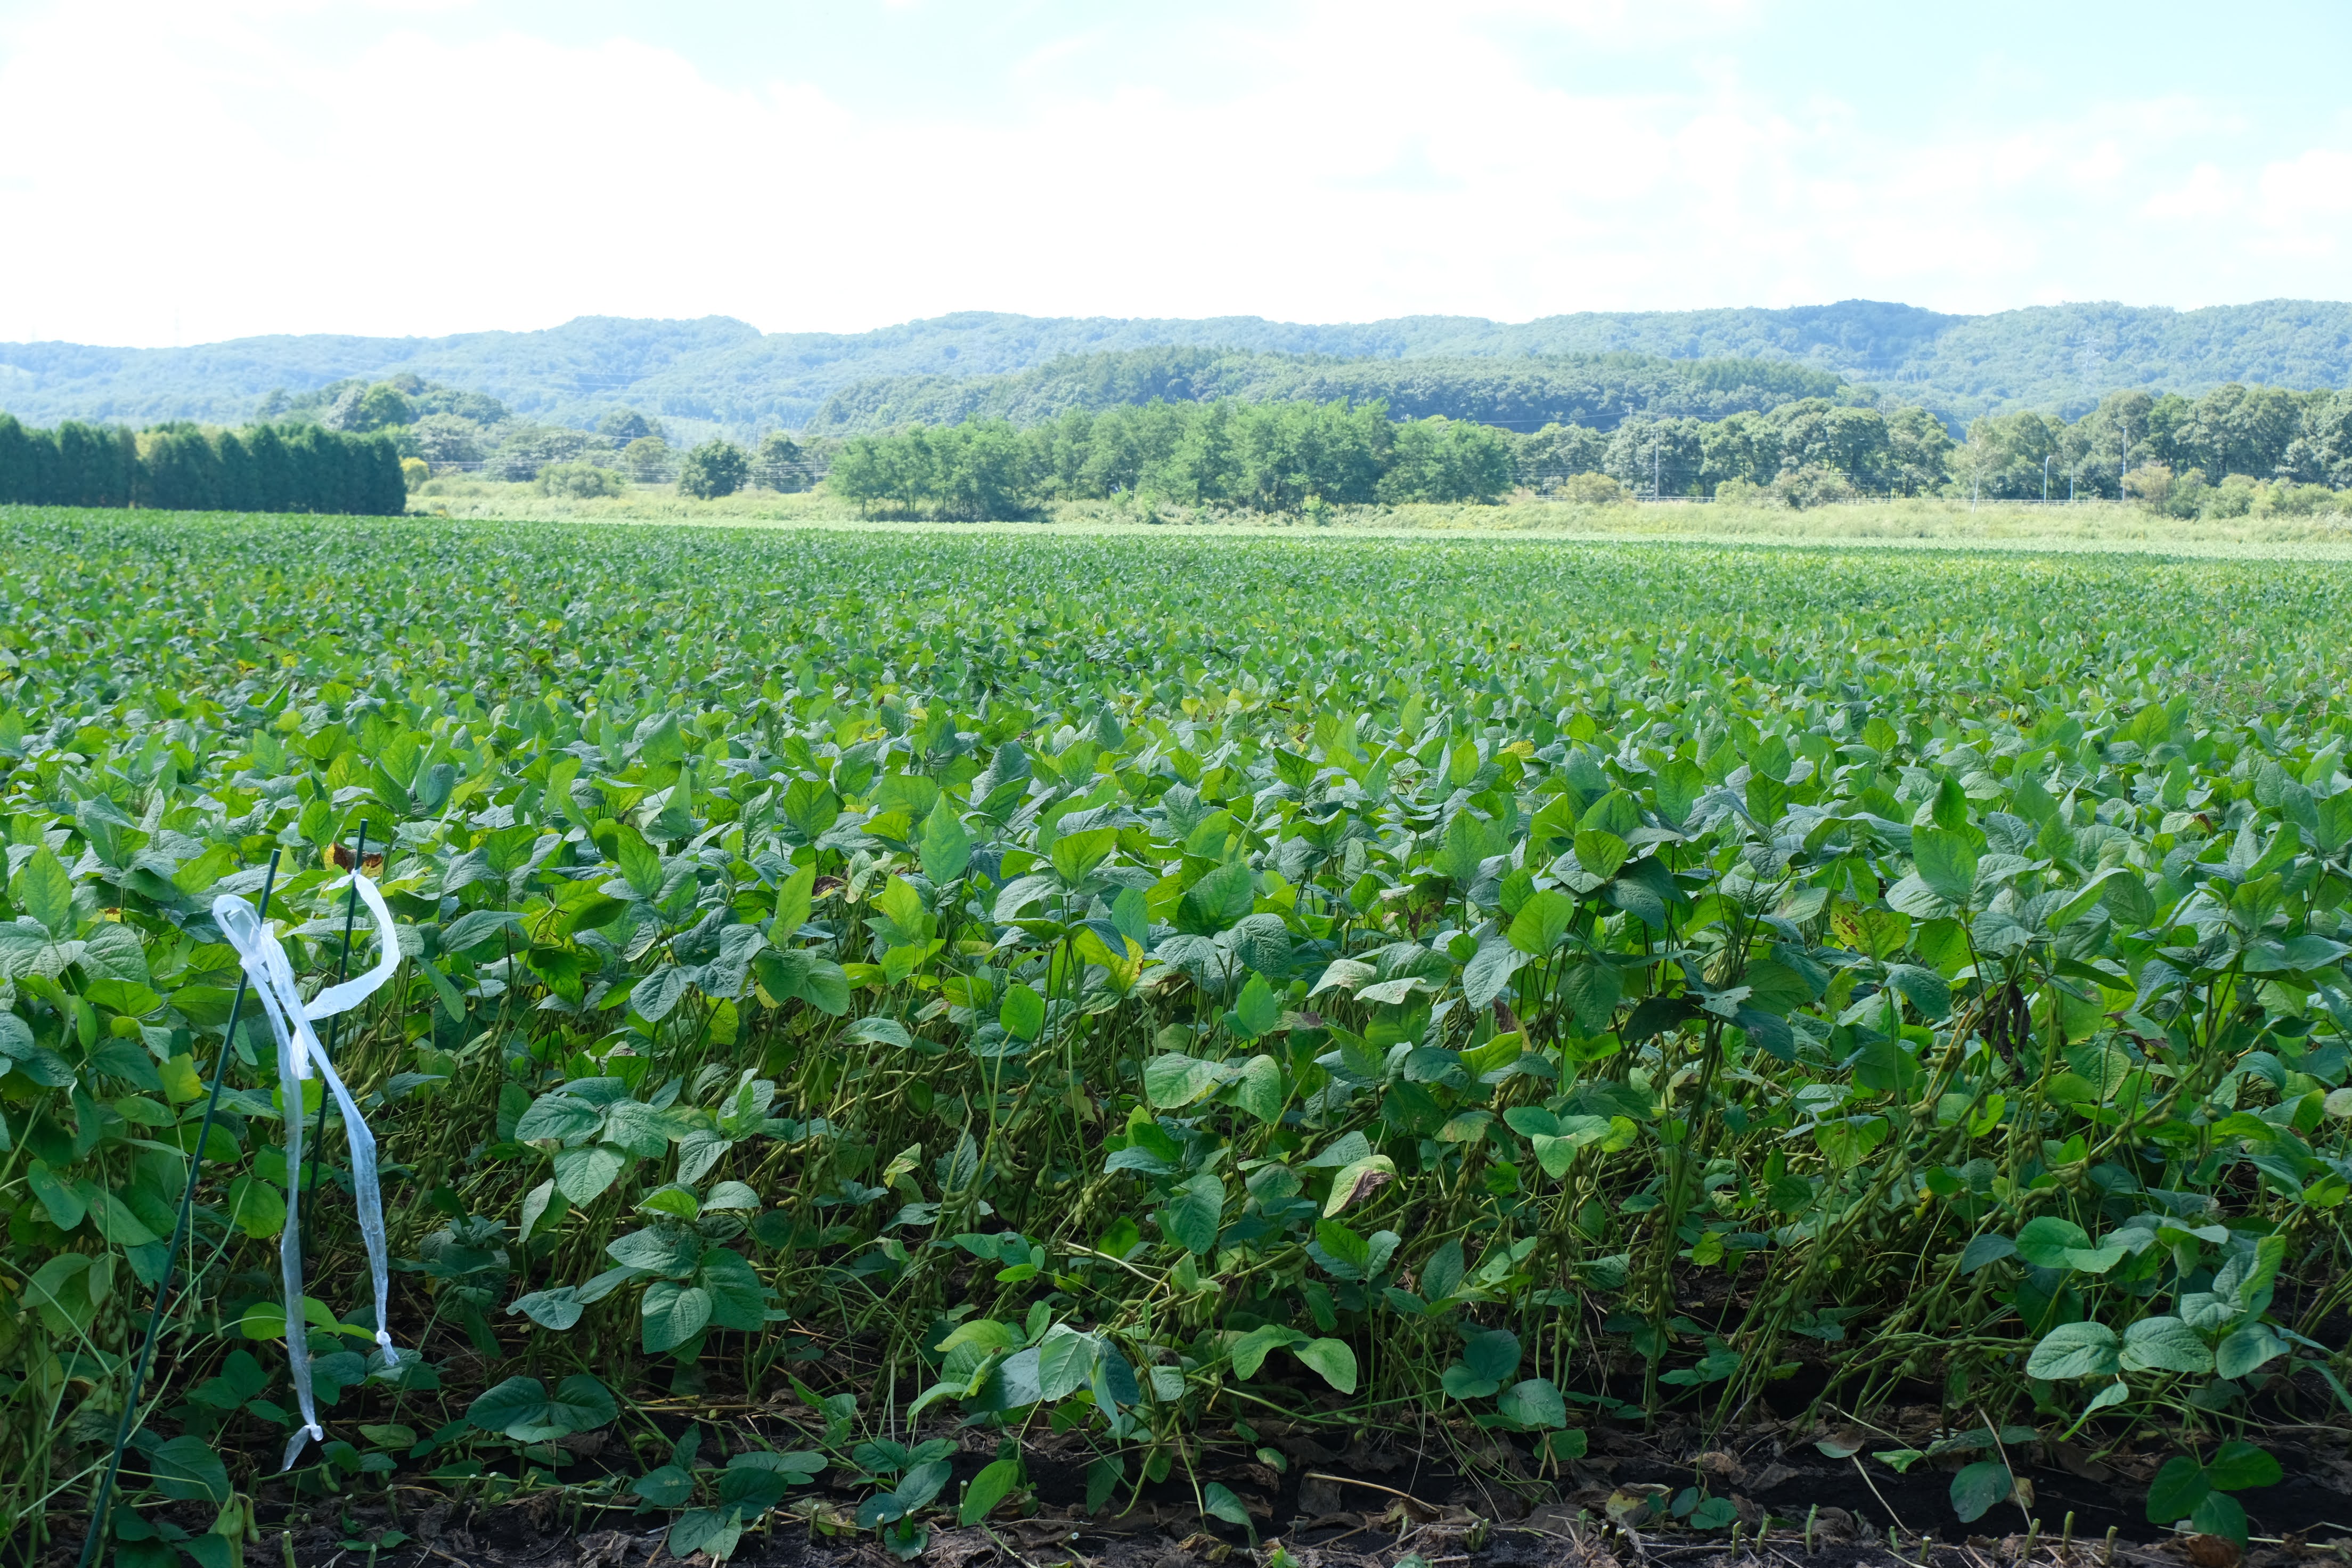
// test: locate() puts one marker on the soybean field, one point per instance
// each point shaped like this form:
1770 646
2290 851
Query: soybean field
904 1033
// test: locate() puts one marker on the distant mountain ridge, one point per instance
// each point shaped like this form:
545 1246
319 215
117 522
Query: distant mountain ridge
722 373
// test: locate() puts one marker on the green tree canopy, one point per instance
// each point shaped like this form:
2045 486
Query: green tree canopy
382 407
625 424
183 467
781 463
647 460
716 468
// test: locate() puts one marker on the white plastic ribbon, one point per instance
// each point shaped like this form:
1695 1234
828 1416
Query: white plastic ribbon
290 1017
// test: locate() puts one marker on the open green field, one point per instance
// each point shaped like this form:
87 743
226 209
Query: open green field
915 1027
1922 523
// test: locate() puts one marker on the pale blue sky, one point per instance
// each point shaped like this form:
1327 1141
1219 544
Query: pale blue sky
199 169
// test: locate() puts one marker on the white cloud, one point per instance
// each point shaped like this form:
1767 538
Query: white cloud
219 165
2207 193
2305 206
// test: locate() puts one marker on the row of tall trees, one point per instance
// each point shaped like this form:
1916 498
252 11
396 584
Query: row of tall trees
1809 449
2264 432
1903 452
185 468
1268 457
1280 455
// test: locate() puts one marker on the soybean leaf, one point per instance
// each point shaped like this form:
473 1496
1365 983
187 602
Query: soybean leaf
2164 1344
1220 1503
1492 1355
2238 1467
672 1314
186 1468
1979 1488
1541 921
1194 1211
1250 1351
2075 1349
2246 1350
1534 1404
1065 1361
2179 1486
946 848
1258 1090
1219 899
996 1482
514 1406
43 890
1335 1359
1945 860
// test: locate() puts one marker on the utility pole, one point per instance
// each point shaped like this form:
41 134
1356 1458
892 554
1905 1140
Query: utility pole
2123 470
2045 479
1657 469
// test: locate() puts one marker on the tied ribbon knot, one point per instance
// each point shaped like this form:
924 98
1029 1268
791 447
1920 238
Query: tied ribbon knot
299 1051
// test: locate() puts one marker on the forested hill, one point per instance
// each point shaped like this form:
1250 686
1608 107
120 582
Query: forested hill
723 372
1595 390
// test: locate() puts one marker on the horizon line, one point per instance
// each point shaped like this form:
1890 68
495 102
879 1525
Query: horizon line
1953 316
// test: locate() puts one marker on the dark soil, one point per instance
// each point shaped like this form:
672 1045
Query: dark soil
1373 1503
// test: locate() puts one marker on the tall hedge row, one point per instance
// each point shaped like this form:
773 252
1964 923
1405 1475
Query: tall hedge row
180 467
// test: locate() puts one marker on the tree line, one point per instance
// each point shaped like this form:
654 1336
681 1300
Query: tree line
1519 393
2266 433
2132 444
182 466
1813 442
2187 455
1268 457
1288 456
445 428
448 427
2234 449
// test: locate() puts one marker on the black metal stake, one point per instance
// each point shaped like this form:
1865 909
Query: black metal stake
334 1025
99 1505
